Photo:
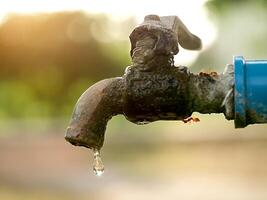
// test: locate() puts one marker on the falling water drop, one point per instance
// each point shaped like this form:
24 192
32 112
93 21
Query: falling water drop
98 164
143 122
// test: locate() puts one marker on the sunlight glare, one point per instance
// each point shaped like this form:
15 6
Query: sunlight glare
191 12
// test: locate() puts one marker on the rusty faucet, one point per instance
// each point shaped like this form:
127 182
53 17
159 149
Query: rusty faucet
152 88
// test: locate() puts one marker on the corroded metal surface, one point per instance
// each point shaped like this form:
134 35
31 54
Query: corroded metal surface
93 110
160 94
152 88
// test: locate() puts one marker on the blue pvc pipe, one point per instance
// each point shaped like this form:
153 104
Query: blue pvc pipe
250 91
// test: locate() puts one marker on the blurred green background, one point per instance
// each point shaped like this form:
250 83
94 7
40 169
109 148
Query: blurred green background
47 59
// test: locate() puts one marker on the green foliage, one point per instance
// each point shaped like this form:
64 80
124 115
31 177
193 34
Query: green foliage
241 30
220 6
48 60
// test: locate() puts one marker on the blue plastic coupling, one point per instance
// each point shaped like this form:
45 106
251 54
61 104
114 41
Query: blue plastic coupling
250 91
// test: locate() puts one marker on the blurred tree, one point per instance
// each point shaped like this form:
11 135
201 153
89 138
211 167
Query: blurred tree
241 30
219 7
47 60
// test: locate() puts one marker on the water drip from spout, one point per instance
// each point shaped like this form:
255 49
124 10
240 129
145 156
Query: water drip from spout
98 166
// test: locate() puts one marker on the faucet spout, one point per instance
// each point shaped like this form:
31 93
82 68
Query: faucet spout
93 110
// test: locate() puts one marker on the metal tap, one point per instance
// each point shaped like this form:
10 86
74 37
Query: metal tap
152 88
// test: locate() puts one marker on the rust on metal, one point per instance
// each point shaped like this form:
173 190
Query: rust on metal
191 119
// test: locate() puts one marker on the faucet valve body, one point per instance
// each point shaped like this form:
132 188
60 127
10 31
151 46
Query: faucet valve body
159 94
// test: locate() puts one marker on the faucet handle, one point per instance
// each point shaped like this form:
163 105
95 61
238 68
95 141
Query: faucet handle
185 38
160 36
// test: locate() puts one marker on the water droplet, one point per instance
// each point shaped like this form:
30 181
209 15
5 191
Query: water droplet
143 122
98 164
